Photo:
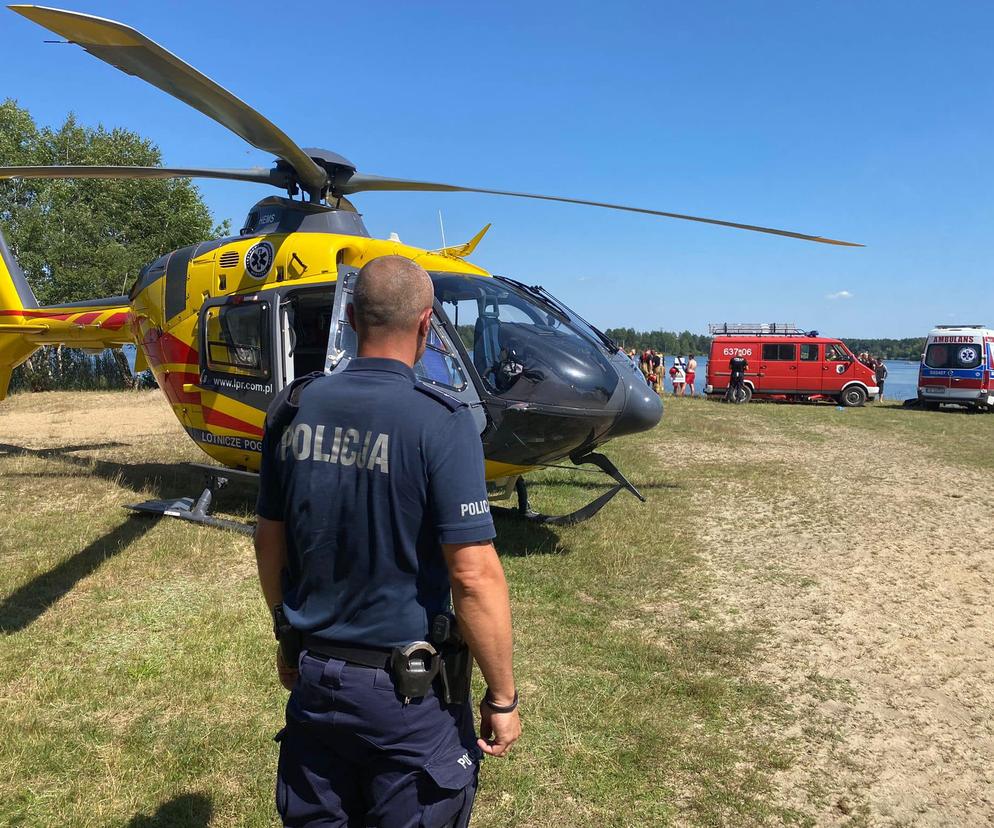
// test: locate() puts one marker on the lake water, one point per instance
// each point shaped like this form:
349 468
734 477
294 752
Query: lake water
901 384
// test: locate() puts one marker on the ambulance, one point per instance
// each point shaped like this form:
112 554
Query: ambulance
788 363
956 367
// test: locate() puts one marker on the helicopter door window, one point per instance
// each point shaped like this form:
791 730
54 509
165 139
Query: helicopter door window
438 365
236 339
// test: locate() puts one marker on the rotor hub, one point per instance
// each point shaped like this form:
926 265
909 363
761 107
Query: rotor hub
337 168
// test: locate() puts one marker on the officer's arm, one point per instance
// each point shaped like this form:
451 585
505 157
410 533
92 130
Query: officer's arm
480 599
270 558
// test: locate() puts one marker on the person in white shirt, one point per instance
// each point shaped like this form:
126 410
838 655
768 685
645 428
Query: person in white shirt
678 374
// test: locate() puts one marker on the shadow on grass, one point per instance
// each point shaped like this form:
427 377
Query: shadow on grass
552 482
519 538
164 480
29 602
186 811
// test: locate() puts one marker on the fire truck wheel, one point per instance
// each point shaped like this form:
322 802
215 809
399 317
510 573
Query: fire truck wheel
744 394
853 396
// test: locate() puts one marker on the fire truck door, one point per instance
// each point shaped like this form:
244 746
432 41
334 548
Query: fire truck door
810 368
778 369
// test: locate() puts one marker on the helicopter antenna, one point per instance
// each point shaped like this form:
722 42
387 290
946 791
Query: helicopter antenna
441 226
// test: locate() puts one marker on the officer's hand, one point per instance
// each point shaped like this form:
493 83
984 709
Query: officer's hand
288 675
499 731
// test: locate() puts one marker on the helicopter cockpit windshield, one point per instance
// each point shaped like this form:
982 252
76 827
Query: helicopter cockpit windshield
523 345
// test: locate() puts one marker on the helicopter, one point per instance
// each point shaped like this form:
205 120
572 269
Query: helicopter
225 324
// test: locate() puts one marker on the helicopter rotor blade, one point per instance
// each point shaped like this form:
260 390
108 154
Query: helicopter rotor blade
360 183
130 51
256 175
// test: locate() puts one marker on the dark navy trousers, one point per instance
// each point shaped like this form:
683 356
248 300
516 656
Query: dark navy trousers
353 754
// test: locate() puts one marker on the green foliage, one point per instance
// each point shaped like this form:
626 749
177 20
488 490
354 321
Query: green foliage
910 348
84 238
71 369
667 342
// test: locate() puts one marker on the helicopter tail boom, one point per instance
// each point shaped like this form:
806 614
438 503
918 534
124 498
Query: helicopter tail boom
25 326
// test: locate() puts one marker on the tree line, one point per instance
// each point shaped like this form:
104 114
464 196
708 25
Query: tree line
667 342
910 348
87 238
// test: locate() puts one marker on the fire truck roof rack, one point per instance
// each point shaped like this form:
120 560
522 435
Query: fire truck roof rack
756 328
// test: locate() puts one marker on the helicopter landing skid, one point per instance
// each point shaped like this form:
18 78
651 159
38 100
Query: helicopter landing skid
584 513
198 511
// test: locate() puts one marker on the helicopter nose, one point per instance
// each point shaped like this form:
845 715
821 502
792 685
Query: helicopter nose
643 407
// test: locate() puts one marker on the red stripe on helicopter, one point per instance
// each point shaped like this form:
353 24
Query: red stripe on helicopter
172 387
116 321
28 314
86 318
219 418
176 351
168 349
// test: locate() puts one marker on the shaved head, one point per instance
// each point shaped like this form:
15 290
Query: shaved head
391 295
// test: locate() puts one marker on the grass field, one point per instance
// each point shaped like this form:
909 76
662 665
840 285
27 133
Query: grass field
689 661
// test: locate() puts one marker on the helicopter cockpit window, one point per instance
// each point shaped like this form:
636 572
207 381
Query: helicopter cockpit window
438 366
235 339
522 347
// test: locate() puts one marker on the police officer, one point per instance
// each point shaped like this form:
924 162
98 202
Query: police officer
372 507
737 366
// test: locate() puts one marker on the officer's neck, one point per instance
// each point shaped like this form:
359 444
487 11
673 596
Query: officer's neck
390 349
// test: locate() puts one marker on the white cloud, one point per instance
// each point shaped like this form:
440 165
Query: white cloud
842 294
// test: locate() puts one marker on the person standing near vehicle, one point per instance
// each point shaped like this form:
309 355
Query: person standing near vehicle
678 374
691 375
737 366
372 502
881 373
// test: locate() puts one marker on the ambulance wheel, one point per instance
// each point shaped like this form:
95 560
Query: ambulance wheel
853 396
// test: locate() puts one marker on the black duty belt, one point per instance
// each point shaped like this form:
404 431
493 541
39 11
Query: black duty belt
363 656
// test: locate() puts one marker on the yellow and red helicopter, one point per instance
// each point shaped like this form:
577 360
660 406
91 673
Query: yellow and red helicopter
225 324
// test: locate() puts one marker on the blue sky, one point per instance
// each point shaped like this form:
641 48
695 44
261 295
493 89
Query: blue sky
871 122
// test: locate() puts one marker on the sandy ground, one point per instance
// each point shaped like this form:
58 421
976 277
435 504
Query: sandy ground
132 417
875 582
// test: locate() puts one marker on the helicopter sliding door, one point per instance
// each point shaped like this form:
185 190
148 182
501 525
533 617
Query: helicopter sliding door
440 367
303 326
237 370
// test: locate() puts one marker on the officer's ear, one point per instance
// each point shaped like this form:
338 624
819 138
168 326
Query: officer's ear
424 323
350 313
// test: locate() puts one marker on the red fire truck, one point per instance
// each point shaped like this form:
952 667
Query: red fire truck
788 363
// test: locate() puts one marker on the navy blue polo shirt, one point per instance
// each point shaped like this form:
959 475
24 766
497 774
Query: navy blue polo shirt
371 475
